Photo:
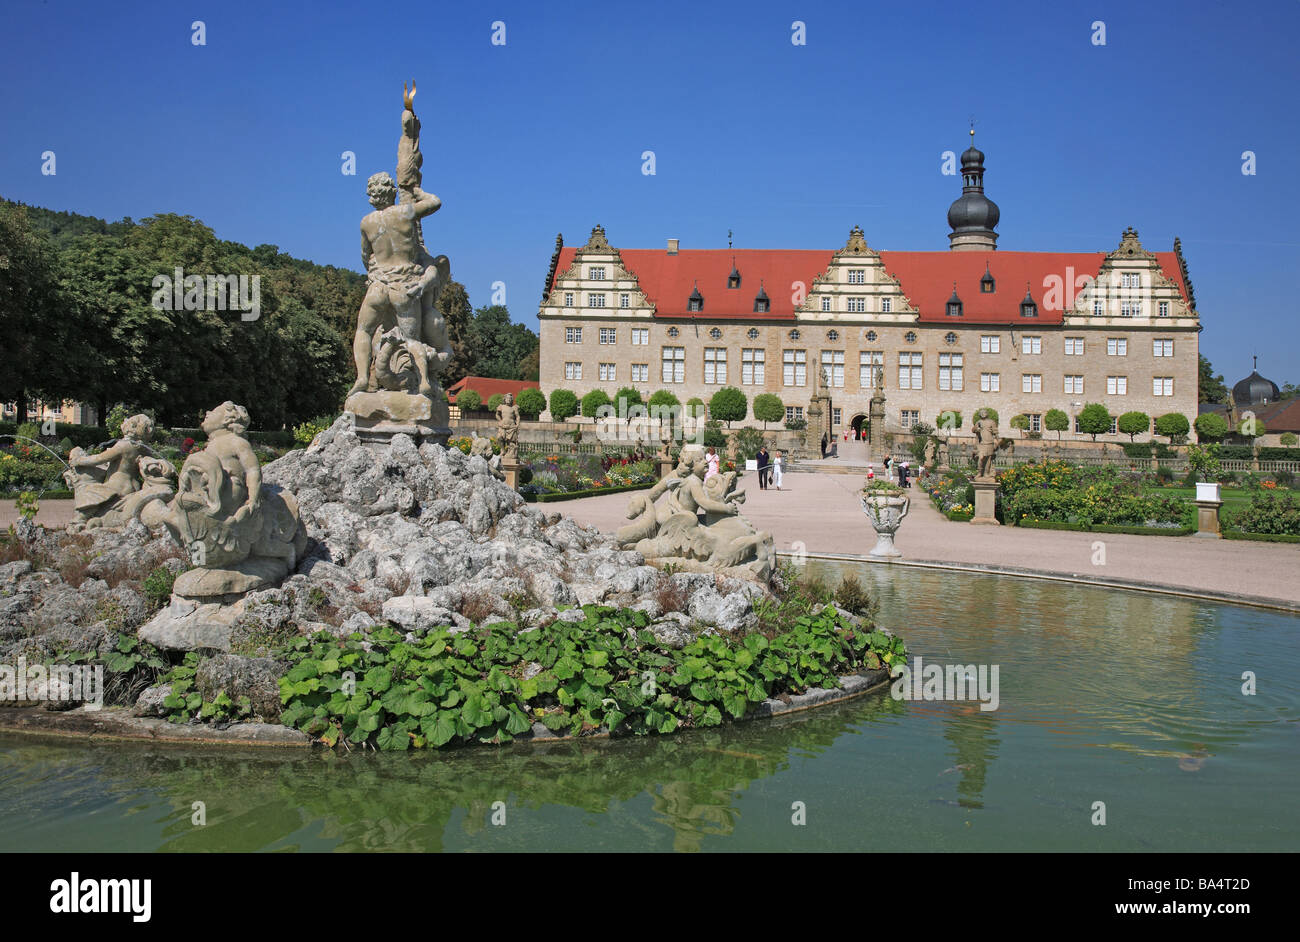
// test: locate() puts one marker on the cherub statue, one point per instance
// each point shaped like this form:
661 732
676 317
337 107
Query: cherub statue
113 487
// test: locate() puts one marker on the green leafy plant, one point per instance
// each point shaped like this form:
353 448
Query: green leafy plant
564 404
27 505
467 400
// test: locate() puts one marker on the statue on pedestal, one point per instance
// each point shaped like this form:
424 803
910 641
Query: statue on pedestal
508 428
401 342
121 483
986 439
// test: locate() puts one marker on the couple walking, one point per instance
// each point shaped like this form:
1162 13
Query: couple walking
768 465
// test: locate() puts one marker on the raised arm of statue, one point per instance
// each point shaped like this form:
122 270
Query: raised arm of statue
426 204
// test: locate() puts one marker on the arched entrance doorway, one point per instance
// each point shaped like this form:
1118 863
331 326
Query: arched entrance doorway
861 427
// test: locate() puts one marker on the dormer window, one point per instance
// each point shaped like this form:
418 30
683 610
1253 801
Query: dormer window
733 280
987 284
762 304
954 303
1027 307
696 301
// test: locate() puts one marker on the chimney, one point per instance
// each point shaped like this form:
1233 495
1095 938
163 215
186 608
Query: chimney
672 246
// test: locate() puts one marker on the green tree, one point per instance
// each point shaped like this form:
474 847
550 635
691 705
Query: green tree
626 398
467 400
695 407
1211 385
663 399
30 312
921 433
564 404
1250 427
768 408
1094 420
494 400
530 367
1173 425
1211 427
1020 422
729 405
1055 420
453 304
531 402
500 345
593 402
949 420
1133 424
1288 439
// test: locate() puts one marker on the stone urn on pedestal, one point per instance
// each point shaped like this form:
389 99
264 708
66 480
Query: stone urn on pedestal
885 506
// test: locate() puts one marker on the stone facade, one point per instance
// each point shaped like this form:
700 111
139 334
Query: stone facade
1019 332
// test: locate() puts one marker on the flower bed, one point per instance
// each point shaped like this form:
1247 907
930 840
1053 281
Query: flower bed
580 475
1055 492
1267 512
953 495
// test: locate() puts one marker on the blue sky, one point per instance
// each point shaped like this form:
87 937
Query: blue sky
787 145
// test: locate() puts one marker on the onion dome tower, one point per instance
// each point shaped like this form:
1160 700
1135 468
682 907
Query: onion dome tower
1255 390
973 217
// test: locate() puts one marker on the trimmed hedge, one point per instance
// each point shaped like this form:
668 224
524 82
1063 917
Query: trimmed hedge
590 492
85 436
958 516
1260 537
1106 528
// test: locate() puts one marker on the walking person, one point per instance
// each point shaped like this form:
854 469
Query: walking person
776 469
889 471
825 442
764 466
713 462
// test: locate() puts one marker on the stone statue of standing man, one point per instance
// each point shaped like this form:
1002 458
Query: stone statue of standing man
508 427
401 342
986 437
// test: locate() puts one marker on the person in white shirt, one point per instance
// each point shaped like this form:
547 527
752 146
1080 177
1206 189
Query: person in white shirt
776 469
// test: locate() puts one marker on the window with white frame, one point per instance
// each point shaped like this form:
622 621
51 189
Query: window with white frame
596 273
990 382
715 365
794 367
950 372
608 335
1098 308
826 302
1162 348
909 417
909 371
1116 347
836 415
640 336
886 305
573 335
1162 385
857 276
1031 382
1074 385
1117 385
606 371
857 305
870 362
640 372
1035 421
568 299
573 370
674 365
625 300
793 412
1031 345
990 343
595 300
753 360
1074 346
1164 308
1130 309
833 367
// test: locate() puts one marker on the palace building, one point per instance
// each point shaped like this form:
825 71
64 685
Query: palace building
955 330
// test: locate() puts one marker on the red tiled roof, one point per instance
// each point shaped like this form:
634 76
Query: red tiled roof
1281 416
487 387
925 277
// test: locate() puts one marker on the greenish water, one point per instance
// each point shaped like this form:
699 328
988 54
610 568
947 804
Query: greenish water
1128 699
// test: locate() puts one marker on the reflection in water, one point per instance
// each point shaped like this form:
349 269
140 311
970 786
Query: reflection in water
1102 694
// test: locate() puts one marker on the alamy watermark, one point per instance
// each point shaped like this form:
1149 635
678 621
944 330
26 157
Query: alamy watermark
182 292
74 683
947 682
